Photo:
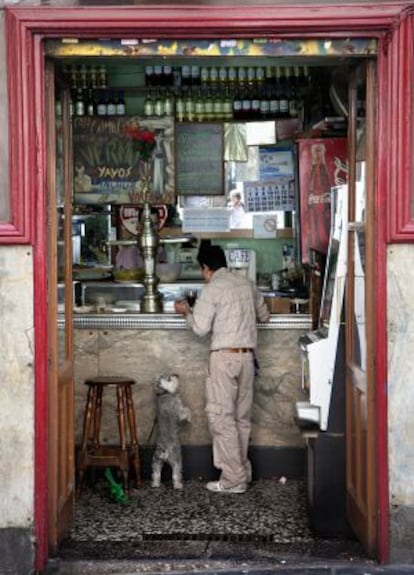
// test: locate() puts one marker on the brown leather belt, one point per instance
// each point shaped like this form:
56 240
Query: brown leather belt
235 349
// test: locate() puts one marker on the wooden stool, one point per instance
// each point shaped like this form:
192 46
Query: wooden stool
92 453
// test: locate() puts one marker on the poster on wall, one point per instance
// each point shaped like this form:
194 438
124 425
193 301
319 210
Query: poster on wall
322 165
108 168
276 162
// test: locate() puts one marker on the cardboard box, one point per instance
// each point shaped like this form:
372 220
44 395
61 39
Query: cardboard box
278 304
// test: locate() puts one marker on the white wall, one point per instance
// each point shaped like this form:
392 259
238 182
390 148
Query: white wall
400 306
17 387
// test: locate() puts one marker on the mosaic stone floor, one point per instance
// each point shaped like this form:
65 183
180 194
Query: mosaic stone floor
271 516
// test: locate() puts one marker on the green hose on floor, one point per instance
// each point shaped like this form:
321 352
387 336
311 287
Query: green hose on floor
116 490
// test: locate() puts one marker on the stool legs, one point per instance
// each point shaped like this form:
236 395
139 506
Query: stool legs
92 454
133 436
123 460
87 422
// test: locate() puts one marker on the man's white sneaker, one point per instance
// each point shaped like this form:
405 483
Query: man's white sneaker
218 487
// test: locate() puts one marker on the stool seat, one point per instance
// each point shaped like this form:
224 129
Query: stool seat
93 454
109 380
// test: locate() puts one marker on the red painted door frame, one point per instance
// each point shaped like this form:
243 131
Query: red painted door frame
27 27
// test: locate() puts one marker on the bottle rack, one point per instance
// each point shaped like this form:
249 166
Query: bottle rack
194 93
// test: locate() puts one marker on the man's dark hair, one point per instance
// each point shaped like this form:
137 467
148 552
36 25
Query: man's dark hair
213 257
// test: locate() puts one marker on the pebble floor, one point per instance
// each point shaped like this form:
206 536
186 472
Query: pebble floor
271 516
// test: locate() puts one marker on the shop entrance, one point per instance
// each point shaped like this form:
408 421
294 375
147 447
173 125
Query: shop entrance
216 24
315 89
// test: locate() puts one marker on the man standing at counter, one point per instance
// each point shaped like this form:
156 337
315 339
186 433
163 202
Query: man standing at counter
228 308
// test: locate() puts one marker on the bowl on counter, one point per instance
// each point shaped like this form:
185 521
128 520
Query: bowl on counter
168 272
129 275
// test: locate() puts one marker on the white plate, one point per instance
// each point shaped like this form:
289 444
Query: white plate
128 304
83 309
118 309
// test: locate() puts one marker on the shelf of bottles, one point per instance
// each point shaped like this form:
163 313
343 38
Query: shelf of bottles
90 94
195 93
223 93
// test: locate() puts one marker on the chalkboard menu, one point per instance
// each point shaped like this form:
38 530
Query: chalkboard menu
199 154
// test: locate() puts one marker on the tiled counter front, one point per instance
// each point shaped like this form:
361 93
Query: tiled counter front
142 347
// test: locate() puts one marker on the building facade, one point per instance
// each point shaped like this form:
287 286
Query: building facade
23 366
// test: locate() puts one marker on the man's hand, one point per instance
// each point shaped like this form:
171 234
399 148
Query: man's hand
181 306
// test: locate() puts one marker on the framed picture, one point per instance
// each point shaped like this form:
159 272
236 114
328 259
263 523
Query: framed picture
107 168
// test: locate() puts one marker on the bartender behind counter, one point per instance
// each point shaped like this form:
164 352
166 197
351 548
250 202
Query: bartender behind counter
228 308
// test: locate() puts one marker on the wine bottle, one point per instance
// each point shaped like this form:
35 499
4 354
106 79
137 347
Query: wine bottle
79 103
111 105
101 106
179 108
148 104
90 104
120 104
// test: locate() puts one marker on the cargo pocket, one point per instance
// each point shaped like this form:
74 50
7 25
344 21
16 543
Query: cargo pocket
213 412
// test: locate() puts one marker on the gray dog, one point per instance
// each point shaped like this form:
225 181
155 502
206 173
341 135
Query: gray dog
170 414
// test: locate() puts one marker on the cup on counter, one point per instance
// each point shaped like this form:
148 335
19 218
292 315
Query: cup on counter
191 296
100 304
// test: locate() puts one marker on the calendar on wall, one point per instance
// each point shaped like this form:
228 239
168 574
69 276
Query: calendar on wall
270 195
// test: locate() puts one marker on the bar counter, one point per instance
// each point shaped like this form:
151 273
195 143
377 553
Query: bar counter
143 346
137 320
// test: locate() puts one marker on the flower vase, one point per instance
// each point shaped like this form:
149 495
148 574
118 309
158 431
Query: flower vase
145 169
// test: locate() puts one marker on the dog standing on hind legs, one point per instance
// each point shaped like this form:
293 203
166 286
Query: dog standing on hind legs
171 413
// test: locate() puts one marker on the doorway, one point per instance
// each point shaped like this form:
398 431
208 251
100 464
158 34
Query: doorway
330 100
217 25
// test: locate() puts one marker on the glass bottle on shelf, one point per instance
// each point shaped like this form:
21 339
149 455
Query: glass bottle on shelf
168 76
148 104
199 106
158 76
218 105
179 108
189 107
102 76
195 76
149 76
92 82
232 78
255 102
204 75
264 108
246 112
213 78
159 104
79 103
168 103
101 106
90 104
292 93
209 105
120 104
284 96
227 105
83 77
185 76
223 76
241 76
111 105
237 104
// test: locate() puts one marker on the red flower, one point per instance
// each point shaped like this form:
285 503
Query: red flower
143 141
